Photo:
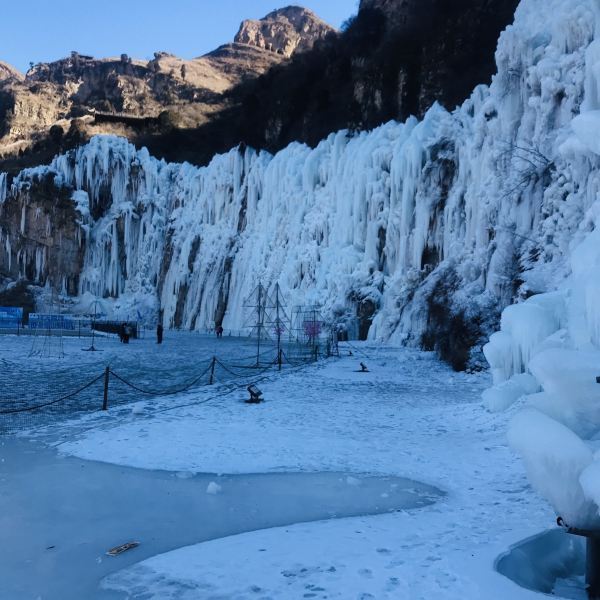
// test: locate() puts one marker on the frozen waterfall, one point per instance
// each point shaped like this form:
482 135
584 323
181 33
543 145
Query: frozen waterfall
412 232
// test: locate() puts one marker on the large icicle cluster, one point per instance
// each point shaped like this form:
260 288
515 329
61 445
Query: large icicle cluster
547 353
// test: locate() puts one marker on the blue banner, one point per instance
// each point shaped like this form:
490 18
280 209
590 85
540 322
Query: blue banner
9 323
42 321
12 312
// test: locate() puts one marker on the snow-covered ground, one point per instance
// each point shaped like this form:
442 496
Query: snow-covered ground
409 416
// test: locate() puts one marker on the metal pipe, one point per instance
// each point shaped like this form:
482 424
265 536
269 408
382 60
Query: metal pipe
592 562
592 568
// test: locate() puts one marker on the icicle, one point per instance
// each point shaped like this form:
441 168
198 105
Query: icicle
3 187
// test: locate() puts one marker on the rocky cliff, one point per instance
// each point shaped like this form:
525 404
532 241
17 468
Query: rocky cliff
9 72
41 238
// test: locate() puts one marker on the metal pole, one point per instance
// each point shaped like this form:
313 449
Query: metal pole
592 563
314 331
278 326
592 572
259 324
106 379
94 325
212 371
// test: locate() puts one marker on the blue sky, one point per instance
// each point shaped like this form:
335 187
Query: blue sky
45 30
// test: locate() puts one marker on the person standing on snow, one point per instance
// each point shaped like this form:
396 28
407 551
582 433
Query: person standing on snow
126 333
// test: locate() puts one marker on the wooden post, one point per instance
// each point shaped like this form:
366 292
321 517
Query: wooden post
279 358
212 370
106 378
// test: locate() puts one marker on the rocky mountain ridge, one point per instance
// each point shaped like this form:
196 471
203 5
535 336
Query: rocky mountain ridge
186 92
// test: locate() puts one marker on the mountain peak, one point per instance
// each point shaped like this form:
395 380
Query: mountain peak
284 31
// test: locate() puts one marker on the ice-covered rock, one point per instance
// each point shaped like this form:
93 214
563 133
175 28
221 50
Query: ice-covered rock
590 482
571 394
523 328
555 458
505 394
213 488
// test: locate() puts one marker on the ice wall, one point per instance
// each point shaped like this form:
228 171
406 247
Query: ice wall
547 353
426 229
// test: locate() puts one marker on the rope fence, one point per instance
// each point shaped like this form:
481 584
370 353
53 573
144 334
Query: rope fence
110 388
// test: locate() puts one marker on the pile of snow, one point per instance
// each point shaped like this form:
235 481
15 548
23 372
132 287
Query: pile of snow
555 459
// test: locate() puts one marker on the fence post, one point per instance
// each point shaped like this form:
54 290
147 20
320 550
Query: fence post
279 359
212 370
106 378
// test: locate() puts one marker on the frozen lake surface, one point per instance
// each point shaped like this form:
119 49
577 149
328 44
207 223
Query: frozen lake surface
56 532
183 359
410 418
